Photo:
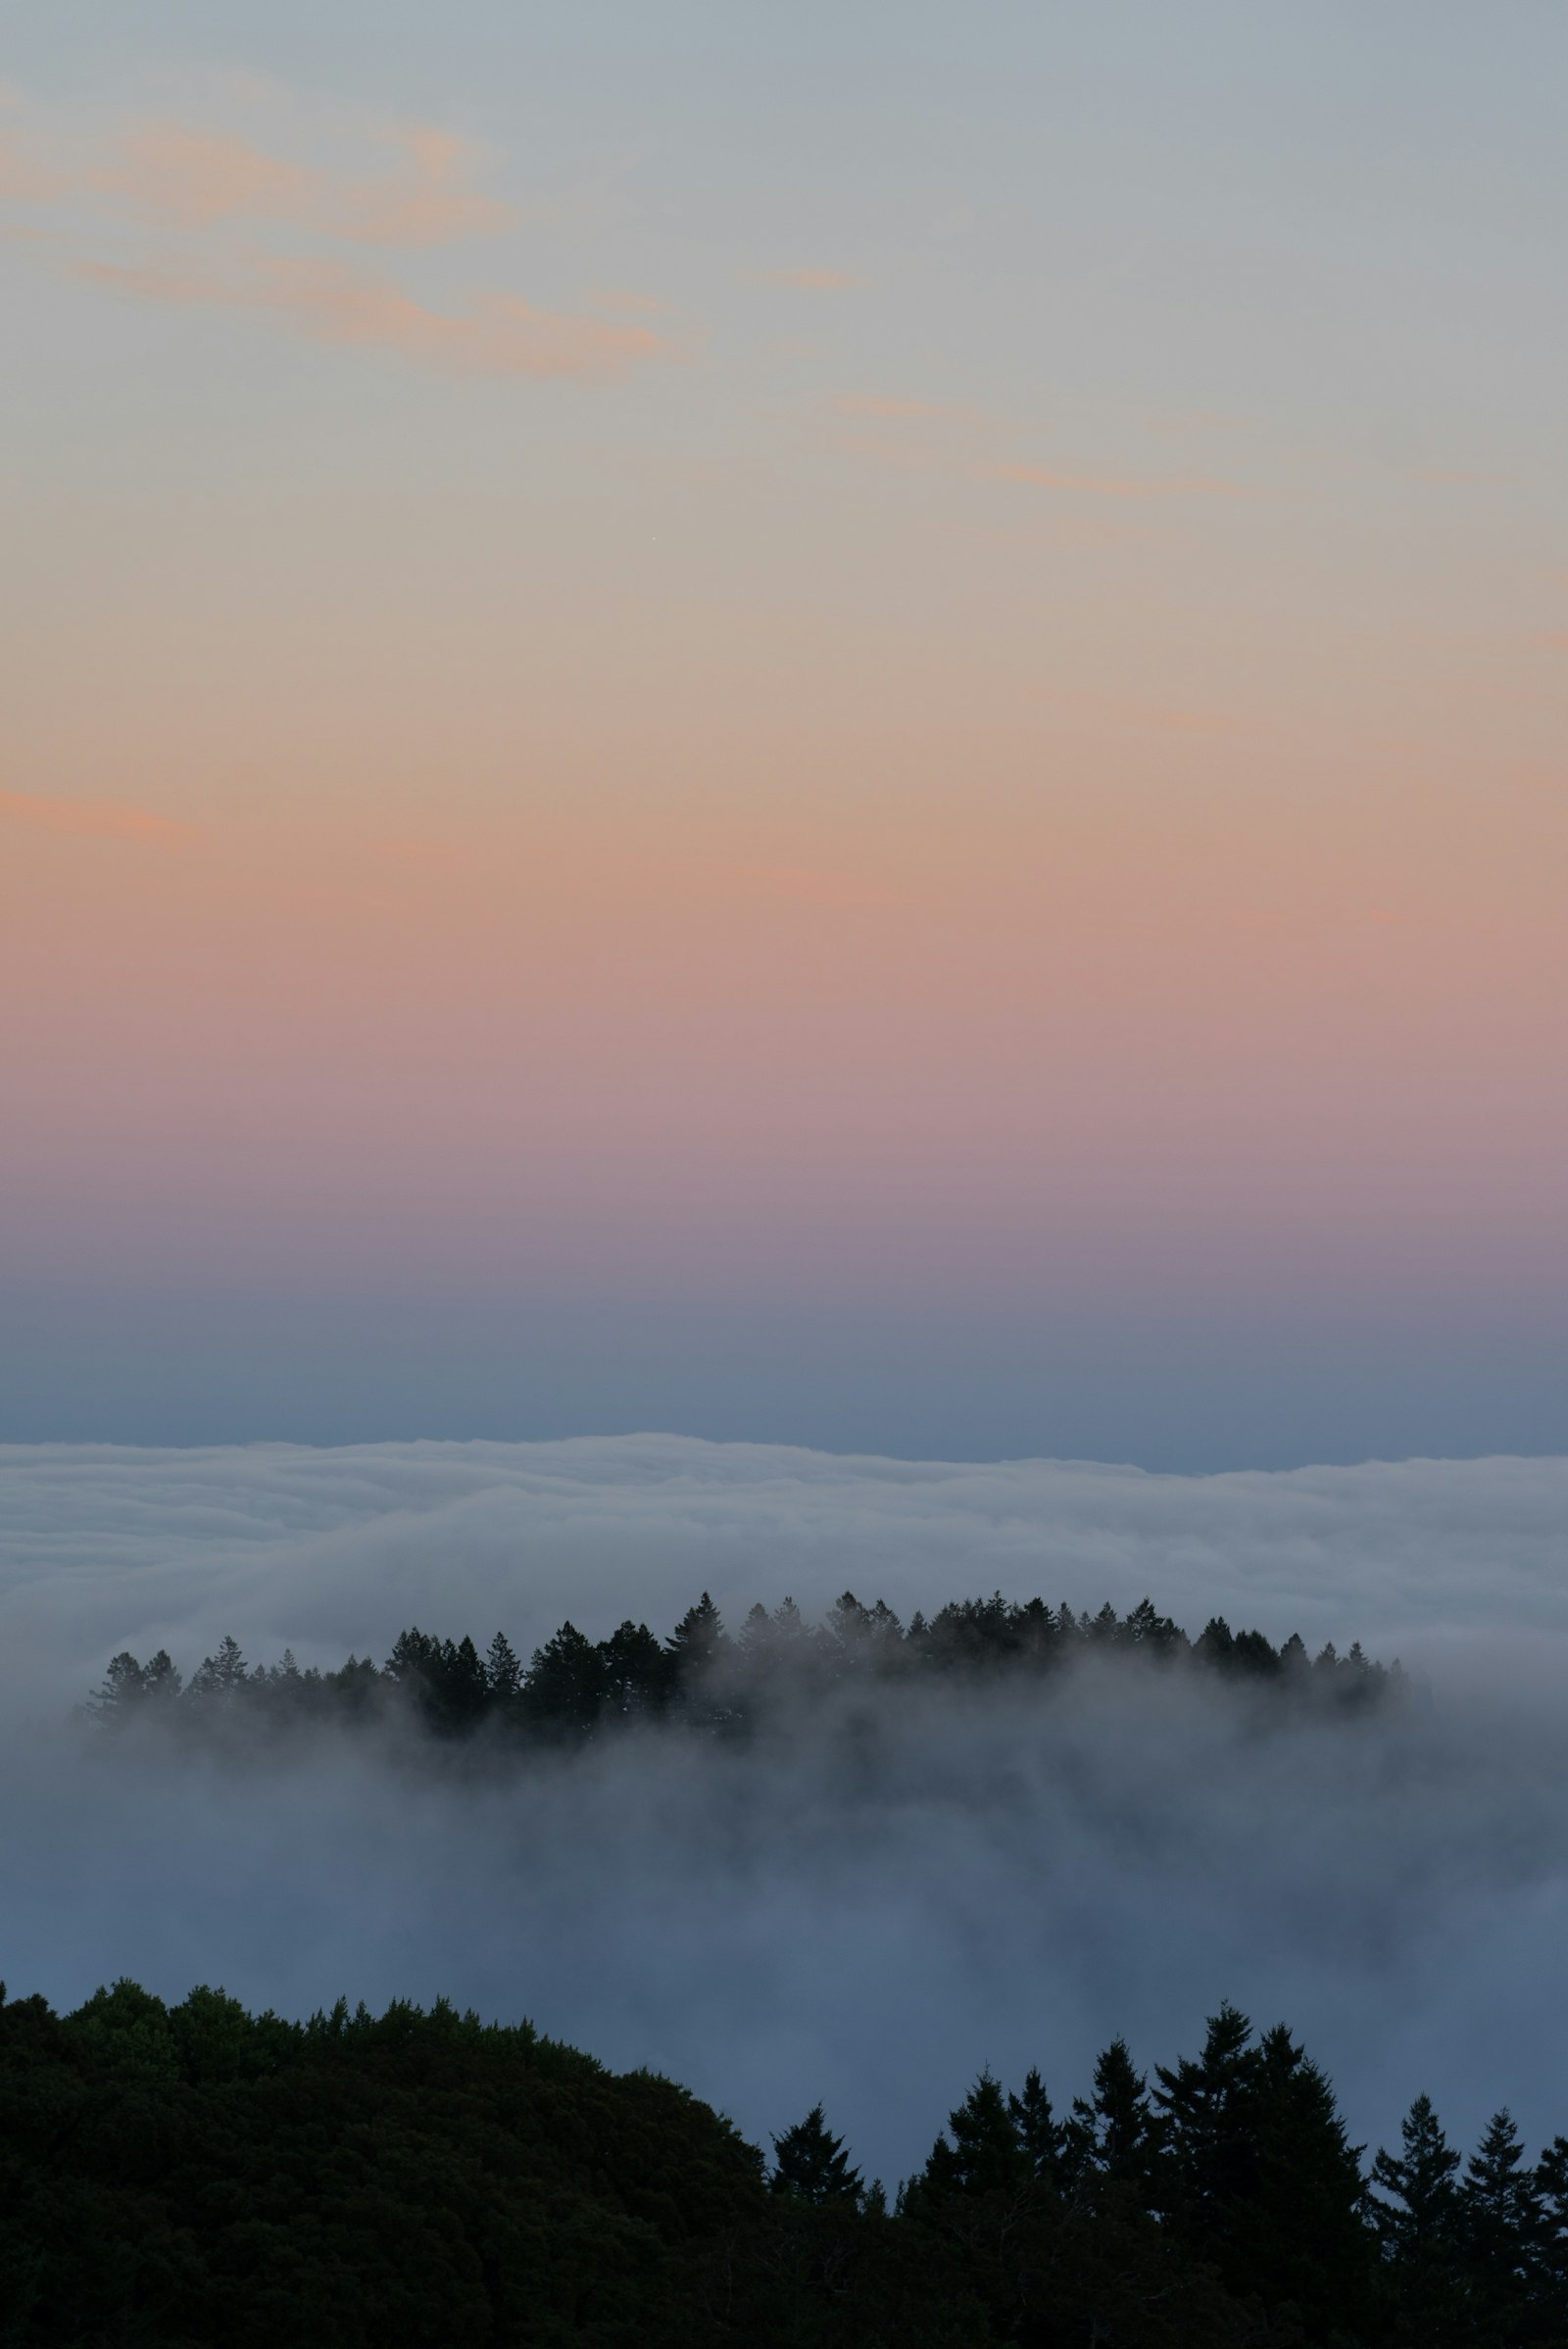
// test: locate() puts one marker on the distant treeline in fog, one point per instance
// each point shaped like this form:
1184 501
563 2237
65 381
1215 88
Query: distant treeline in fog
197 2175
573 1687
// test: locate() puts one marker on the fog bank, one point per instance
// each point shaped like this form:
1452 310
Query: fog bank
875 1904
101 1548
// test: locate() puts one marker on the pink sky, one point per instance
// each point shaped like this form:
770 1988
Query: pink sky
567 735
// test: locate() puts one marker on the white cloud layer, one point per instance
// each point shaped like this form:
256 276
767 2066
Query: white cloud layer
325 1550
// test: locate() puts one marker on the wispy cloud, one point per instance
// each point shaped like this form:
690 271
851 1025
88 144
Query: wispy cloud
26 174
1456 476
1115 485
812 281
877 408
173 174
176 212
497 334
104 819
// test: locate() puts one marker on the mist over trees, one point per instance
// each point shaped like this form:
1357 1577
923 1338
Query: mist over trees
195 2174
702 1677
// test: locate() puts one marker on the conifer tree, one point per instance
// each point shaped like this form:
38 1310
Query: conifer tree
847 1628
219 1677
1037 2128
811 2165
1111 2139
1214 1642
1503 2223
119 1691
1300 2235
159 1678
987 2154
1211 2120
564 1684
503 1671
696 1644
462 1688
1551 2200
635 1672
1416 2196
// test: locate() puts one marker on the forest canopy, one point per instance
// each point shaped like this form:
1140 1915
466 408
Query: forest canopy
701 1677
195 2175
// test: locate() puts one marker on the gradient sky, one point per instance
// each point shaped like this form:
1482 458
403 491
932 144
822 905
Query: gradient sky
844 725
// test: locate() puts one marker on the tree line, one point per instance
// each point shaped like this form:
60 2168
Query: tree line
195 2175
574 1687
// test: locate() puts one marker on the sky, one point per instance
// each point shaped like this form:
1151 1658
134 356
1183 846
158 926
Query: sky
838 726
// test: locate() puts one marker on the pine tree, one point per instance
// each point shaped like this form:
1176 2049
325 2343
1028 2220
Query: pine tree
1214 1643
1502 2222
847 1629
1112 2140
120 1692
635 1672
987 2154
695 1653
1552 2197
696 1643
565 1684
221 1677
1414 2209
1300 2237
811 2165
503 1672
160 1679
1037 2128
1252 1653
1210 2119
414 1661
1415 2197
463 1690
756 1642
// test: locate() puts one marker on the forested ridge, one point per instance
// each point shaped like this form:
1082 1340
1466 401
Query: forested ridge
195 2175
700 1675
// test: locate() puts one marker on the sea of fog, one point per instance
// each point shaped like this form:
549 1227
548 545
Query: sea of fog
870 1905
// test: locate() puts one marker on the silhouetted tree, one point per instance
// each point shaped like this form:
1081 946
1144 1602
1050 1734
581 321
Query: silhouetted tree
1037 2128
565 1684
1111 2140
1551 2201
986 2155
811 2165
503 1672
635 1673
1502 2225
221 1677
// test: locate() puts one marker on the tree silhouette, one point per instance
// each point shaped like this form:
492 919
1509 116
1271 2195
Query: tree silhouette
987 2154
811 2165
565 1684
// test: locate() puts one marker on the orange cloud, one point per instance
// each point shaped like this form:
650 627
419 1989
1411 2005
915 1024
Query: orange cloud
1039 476
1450 476
500 335
103 820
881 411
434 205
195 179
814 281
23 177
